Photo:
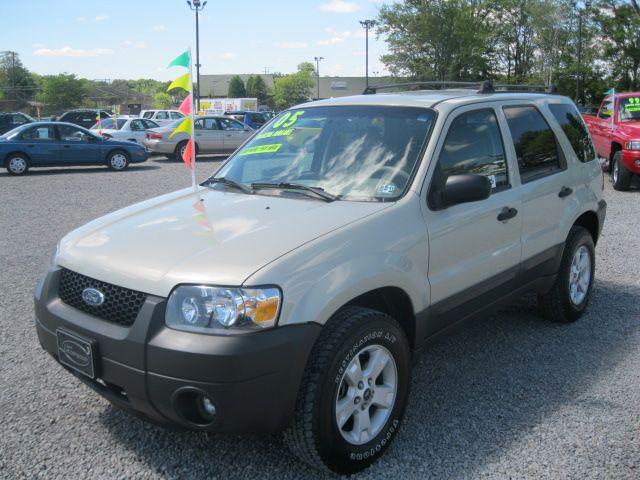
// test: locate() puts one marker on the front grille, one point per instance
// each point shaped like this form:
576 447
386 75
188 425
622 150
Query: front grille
121 305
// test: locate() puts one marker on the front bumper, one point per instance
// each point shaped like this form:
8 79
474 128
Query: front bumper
253 379
631 160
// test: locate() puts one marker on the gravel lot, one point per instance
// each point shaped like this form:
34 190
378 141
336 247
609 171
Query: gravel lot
510 397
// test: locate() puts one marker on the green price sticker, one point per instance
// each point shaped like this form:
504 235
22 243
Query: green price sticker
288 120
272 148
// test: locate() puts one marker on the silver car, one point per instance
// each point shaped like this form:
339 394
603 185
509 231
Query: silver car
214 134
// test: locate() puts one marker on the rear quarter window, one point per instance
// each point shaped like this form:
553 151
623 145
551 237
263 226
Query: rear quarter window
575 130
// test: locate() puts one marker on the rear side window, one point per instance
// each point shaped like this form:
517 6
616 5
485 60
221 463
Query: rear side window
474 145
176 115
39 134
148 114
534 142
575 130
606 110
162 116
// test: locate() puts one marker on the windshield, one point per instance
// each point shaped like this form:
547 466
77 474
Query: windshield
352 152
110 124
629 109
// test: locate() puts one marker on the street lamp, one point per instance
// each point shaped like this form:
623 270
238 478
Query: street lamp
317 59
197 6
587 6
367 24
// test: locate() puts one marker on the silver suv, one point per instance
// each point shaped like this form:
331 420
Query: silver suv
296 287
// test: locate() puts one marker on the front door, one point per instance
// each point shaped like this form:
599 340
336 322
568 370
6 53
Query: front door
209 137
77 147
235 133
474 248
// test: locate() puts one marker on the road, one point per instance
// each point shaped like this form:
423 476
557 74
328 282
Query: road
509 397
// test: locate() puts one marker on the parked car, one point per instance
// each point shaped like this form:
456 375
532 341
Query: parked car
45 144
254 119
587 109
297 286
83 117
615 130
214 134
129 129
11 120
162 117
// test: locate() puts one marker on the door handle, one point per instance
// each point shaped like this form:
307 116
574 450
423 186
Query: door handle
66 146
506 214
565 192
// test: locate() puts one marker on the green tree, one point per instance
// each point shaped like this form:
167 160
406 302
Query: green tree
256 88
16 82
236 88
61 92
249 86
295 88
162 100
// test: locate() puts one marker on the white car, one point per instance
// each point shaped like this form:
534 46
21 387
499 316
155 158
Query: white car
127 129
162 117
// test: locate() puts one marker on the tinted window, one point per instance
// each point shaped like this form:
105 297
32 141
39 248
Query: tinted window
474 145
70 134
19 119
227 124
534 142
176 115
210 124
629 109
150 124
257 118
162 116
607 108
575 130
39 134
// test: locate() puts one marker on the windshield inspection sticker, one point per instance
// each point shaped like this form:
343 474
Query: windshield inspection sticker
387 189
272 148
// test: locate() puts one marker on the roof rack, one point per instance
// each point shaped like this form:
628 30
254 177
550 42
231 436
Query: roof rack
481 87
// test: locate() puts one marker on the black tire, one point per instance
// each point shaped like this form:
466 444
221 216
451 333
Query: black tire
314 435
180 149
556 305
17 164
619 174
118 160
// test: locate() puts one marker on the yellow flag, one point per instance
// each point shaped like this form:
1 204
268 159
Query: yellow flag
181 82
185 126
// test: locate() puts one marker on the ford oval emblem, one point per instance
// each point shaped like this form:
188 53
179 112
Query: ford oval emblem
93 297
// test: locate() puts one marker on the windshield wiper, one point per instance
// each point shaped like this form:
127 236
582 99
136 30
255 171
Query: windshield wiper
318 191
230 183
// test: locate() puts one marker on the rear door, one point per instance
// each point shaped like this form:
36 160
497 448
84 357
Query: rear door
472 252
39 143
546 184
235 133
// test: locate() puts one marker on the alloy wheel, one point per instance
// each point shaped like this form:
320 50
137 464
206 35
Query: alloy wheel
580 275
118 161
17 165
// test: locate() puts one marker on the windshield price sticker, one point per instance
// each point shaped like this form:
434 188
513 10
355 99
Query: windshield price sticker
288 120
272 148
632 105
276 133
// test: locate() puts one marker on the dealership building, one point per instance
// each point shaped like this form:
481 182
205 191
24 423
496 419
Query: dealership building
217 86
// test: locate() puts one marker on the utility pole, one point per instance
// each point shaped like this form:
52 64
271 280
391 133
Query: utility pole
197 6
367 24
587 6
317 59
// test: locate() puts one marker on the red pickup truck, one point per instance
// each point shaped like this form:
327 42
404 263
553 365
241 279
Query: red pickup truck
615 130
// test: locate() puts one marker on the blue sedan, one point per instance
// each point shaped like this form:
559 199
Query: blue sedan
44 144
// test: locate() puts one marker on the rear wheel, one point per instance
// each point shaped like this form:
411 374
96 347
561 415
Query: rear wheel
353 394
118 160
569 296
619 174
17 164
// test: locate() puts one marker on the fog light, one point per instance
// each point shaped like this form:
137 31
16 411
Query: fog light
208 406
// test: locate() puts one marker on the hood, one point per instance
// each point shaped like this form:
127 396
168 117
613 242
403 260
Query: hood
221 240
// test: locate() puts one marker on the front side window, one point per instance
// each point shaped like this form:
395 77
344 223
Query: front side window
474 145
575 130
534 142
359 153
39 134
176 115
228 124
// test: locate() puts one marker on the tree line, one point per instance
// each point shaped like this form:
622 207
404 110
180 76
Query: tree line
584 48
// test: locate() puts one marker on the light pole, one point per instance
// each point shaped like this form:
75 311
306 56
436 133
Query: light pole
587 6
367 24
197 6
317 59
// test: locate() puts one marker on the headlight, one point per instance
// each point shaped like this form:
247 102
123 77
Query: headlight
222 310
632 146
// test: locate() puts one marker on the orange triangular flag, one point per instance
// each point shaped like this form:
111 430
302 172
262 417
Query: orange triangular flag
187 156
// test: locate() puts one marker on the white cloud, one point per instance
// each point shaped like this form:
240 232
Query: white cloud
81 19
131 43
101 18
339 6
72 52
228 56
330 41
158 28
292 45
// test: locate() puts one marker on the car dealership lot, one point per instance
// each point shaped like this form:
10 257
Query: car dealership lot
513 396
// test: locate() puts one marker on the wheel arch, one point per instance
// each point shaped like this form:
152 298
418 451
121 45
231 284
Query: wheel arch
13 152
117 149
615 147
589 220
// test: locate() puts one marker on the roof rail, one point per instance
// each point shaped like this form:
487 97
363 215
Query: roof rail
482 87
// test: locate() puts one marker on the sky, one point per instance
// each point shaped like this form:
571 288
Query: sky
137 38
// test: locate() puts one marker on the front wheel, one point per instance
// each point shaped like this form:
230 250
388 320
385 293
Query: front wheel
569 296
353 393
118 160
620 175
17 164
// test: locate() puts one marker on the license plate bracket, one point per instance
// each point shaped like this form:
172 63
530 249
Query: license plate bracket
77 352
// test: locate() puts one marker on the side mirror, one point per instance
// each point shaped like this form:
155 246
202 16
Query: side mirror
465 188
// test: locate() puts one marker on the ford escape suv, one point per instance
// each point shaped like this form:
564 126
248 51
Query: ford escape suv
294 288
